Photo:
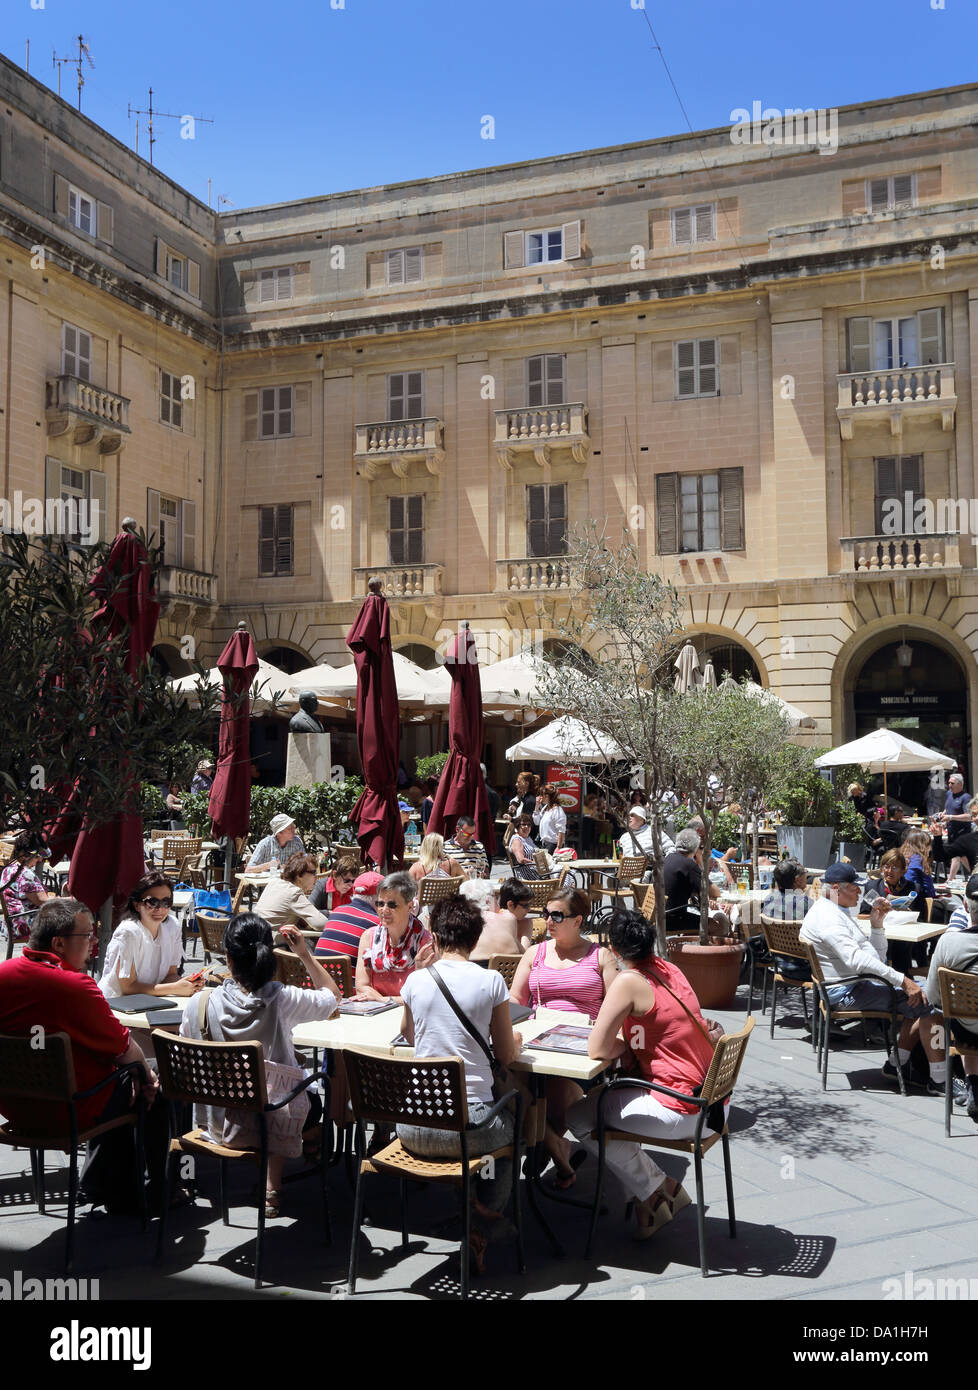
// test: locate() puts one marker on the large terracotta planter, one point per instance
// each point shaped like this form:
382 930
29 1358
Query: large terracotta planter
713 971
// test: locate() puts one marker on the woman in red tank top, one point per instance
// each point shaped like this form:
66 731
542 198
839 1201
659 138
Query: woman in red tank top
671 1046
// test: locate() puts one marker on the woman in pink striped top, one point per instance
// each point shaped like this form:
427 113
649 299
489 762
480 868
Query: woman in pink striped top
569 973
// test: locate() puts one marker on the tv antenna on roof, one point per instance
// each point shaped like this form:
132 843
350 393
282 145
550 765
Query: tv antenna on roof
165 115
83 52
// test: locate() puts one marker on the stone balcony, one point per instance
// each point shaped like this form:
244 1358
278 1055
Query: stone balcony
399 443
403 581
92 414
543 575
542 431
879 555
907 393
191 587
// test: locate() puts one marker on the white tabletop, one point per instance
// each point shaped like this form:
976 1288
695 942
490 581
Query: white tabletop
141 1021
591 863
753 895
905 927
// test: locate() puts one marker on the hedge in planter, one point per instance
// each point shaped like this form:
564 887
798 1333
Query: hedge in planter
321 812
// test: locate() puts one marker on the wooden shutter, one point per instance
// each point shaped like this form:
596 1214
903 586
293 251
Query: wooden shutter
572 240
414 395
731 509
106 223
161 249
52 477
860 331
886 487
284 282
395 267
556 387
536 520
266 540
557 530
708 366
879 195
706 223
395 396
513 250
395 530
60 196
534 381
414 551
193 279
930 336
413 265
153 516
302 419
98 498
903 190
188 534
666 518
250 415
685 369
682 226
266 286
283 540
911 475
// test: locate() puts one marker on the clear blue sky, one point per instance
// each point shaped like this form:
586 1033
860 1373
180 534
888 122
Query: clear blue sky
309 99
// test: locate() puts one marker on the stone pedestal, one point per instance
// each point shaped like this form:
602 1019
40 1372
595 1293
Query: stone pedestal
308 759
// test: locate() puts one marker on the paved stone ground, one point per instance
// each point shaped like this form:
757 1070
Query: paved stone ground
836 1194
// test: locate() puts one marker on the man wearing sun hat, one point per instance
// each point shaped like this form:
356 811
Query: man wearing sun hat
203 778
637 839
279 846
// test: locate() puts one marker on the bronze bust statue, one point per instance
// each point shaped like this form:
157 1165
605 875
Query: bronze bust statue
305 722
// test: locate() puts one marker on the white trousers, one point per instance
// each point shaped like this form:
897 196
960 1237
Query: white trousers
641 1112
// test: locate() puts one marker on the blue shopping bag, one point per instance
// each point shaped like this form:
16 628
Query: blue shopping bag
205 899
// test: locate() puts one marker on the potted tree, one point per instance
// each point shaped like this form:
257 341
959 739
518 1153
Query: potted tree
806 801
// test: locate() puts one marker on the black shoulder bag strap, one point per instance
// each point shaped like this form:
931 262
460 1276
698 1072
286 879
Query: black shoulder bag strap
500 1080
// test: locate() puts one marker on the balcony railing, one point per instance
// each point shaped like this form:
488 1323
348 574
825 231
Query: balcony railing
869 555
540 430
919 392
92 413
543 575
399 443
187 586
404 581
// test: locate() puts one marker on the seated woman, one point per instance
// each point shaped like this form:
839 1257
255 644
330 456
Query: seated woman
284 901
788 902
504 906
336 890
23 891
521 845
652 1006
569 973
252 1006
891 882
174 805
436 1031
146 949
433 862
389 952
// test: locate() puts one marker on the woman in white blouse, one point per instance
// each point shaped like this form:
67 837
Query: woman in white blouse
550 817
146 948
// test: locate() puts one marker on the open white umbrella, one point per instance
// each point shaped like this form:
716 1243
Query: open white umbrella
886 749
268 682
338 684
796 717
565 740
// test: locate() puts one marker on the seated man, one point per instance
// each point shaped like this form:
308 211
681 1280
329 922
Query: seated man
47 987
503 931
637 839
682 878
466 849
279 846
346 924
893 831
788 902
958 950
857 976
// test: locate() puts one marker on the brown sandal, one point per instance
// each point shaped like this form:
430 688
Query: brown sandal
273 1204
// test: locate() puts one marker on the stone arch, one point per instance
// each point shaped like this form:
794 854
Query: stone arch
708 636
287 656
167 657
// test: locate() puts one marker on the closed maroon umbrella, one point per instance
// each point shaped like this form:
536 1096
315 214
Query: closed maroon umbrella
375 815
108 859
461 787
230 799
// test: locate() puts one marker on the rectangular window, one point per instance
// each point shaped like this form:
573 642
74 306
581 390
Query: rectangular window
170 530
546 380
176 271
171 403
405 266
275 284
405 396
76 352
275 540
694 224
82 211
696 368
72 483
913 340
896 191
699 511
546 519
276 412
895 477
545 246
405 534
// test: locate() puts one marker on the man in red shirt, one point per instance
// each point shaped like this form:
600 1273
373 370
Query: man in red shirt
47 988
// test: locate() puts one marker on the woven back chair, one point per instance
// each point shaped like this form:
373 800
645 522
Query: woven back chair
718 1084
212 926
47 1074
782 939
827 1012
433 890
157 835
428 1092
959 999
631 866
506 965
644 895
341 970
176 848
541 891
290 969
229 1076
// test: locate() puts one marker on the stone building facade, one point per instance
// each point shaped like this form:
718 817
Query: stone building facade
758 358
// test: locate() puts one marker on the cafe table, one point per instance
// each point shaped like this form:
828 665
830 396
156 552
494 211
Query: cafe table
903 926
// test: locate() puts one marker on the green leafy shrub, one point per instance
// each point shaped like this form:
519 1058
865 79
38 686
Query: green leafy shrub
152 807
430 766
321 812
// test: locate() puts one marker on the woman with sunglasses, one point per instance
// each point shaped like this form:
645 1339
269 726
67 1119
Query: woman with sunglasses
146 948
571 974
398 945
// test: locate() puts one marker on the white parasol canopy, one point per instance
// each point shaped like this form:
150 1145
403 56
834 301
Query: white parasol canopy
795 716
886 750
687 663
565 740
268 682
338 684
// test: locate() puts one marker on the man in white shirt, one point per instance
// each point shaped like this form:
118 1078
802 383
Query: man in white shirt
857 975
637 839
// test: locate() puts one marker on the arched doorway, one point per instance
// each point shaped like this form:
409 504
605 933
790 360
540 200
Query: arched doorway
425 657
167 660
919 689
287 659
726 656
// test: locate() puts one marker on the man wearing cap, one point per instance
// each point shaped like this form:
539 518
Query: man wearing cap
637 839
857 975
342 932
203 778
279 846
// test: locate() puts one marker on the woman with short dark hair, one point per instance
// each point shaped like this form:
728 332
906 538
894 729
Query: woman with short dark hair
430 1023
398 945
146 948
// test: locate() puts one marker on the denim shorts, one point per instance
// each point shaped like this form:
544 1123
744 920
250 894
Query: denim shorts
876 994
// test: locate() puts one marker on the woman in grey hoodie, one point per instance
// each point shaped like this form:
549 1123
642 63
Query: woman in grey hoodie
252 1006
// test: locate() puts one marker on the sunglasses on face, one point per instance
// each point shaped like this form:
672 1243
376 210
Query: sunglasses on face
557 917
393 906
152 903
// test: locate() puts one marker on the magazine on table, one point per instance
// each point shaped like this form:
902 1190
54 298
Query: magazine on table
367 1006
563 1037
